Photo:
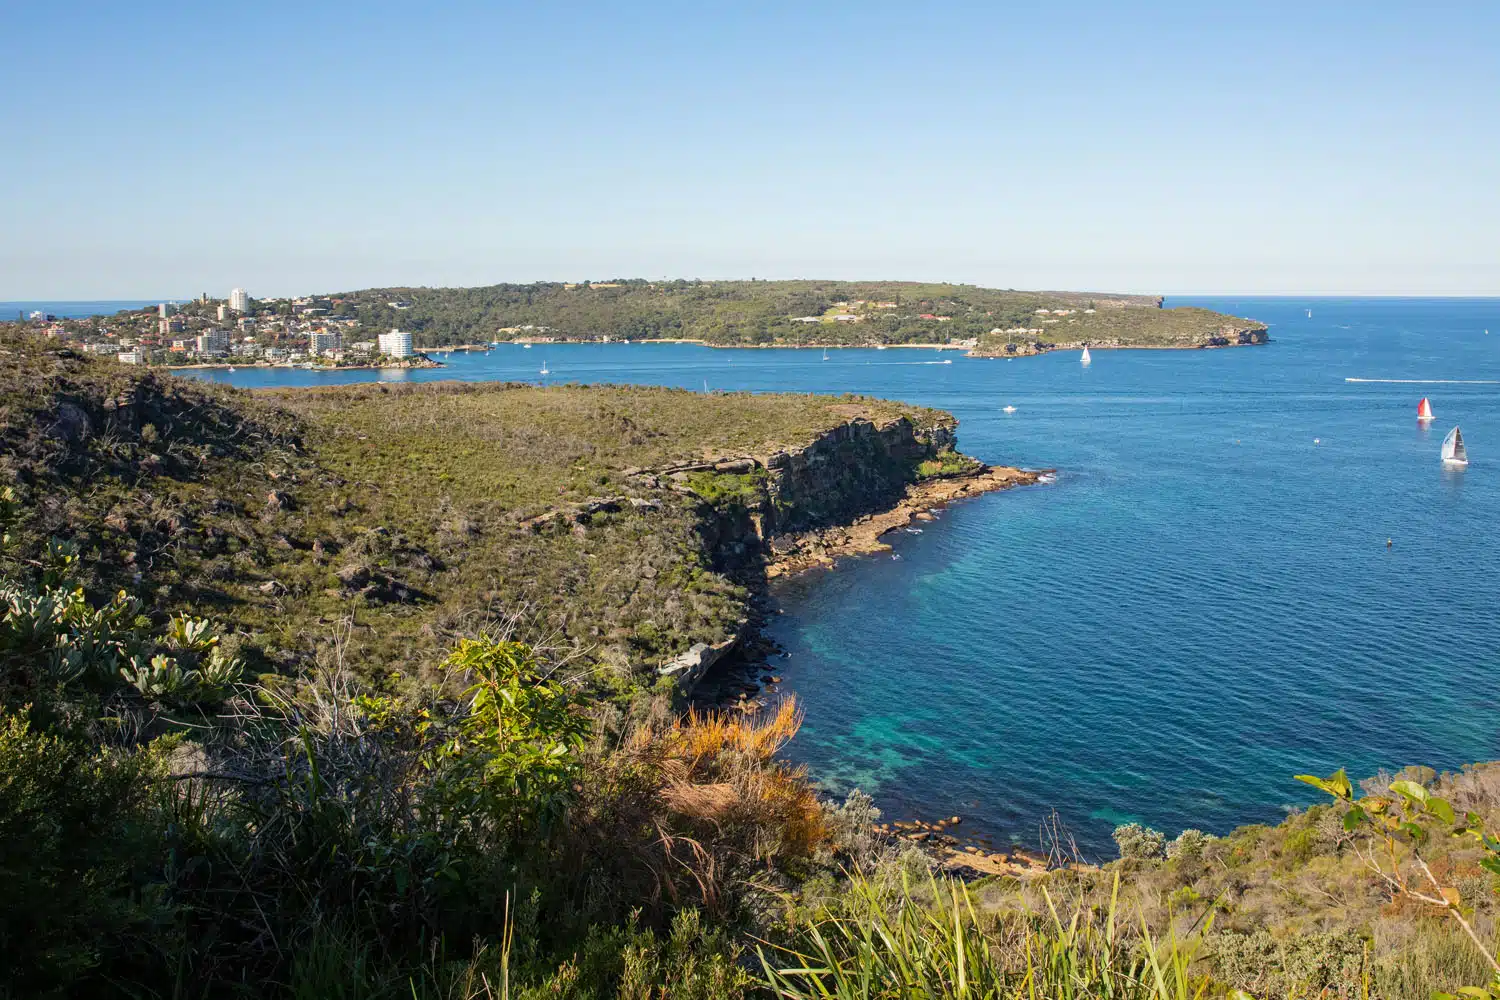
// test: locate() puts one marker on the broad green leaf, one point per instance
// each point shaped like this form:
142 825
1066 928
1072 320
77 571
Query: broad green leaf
1336 784
1442 810
1354 817
1410 790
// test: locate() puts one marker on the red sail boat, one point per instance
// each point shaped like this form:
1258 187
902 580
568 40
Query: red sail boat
1424 409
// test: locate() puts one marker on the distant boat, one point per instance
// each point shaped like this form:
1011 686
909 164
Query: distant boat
1454 452
879 347
1085 359
527 346
1309 314
825 354
544 368
1424 410
231 367
1009 409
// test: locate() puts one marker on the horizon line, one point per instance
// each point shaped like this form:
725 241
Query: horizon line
1074 291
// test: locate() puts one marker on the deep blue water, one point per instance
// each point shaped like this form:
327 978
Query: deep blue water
74 310
1201 606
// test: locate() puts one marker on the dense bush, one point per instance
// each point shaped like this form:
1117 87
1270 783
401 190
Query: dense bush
75 836
1140 843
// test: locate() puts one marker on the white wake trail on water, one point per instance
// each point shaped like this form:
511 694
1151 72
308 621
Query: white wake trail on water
1428 381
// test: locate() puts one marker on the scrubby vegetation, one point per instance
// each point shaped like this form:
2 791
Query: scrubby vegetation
1183 326
766 312
411 512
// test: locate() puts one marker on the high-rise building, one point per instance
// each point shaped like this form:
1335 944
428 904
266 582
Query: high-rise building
223 313
396 344
239 300
163 311
322 342
213 342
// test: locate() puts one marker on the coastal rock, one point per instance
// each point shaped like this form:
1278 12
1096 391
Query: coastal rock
687 669
72 424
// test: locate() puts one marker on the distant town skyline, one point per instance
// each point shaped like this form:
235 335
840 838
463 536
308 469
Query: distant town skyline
1164 148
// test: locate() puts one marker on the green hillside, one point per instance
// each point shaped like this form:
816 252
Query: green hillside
750 313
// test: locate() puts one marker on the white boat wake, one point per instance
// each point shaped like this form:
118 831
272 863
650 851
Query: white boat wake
1428 381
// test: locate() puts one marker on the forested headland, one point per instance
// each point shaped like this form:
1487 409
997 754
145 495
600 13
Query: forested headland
766 313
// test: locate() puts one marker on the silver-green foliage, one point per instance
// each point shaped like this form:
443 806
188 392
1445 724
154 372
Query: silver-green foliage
52 634
1140 843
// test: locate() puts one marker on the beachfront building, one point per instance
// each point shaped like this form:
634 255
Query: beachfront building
213 342
396 344
321 342
239 300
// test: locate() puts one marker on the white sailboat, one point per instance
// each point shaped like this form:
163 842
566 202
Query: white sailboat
1309 314
1454 452
1085 360
1009 409
825 354
545 371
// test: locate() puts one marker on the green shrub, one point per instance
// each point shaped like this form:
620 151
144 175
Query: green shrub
73 841
1140 843
1189 845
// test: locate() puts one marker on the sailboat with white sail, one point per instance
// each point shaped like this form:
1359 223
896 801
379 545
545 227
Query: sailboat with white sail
1424 411
1085 359
545 370
1454 452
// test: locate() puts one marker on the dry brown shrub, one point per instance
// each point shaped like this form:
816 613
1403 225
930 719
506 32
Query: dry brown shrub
684 807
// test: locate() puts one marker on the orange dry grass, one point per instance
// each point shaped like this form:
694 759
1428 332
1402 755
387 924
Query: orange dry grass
723 769
705 736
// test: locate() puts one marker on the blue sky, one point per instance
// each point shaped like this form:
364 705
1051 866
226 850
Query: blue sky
165 149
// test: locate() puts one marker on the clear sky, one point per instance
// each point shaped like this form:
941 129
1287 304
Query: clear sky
159 149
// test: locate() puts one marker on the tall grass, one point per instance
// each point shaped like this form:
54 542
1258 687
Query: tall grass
884 944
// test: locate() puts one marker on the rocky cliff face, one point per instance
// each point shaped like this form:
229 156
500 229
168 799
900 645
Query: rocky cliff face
852 470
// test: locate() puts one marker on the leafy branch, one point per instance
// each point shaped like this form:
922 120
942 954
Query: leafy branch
1396 827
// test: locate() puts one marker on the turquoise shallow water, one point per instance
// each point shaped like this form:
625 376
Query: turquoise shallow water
1201 606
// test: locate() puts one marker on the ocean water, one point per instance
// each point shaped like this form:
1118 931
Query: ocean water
73 310
1201 606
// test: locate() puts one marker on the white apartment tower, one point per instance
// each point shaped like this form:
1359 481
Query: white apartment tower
396 344
239 300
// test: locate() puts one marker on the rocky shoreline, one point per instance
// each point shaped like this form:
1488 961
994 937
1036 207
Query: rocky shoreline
737 674
420 362
822 548
747 681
